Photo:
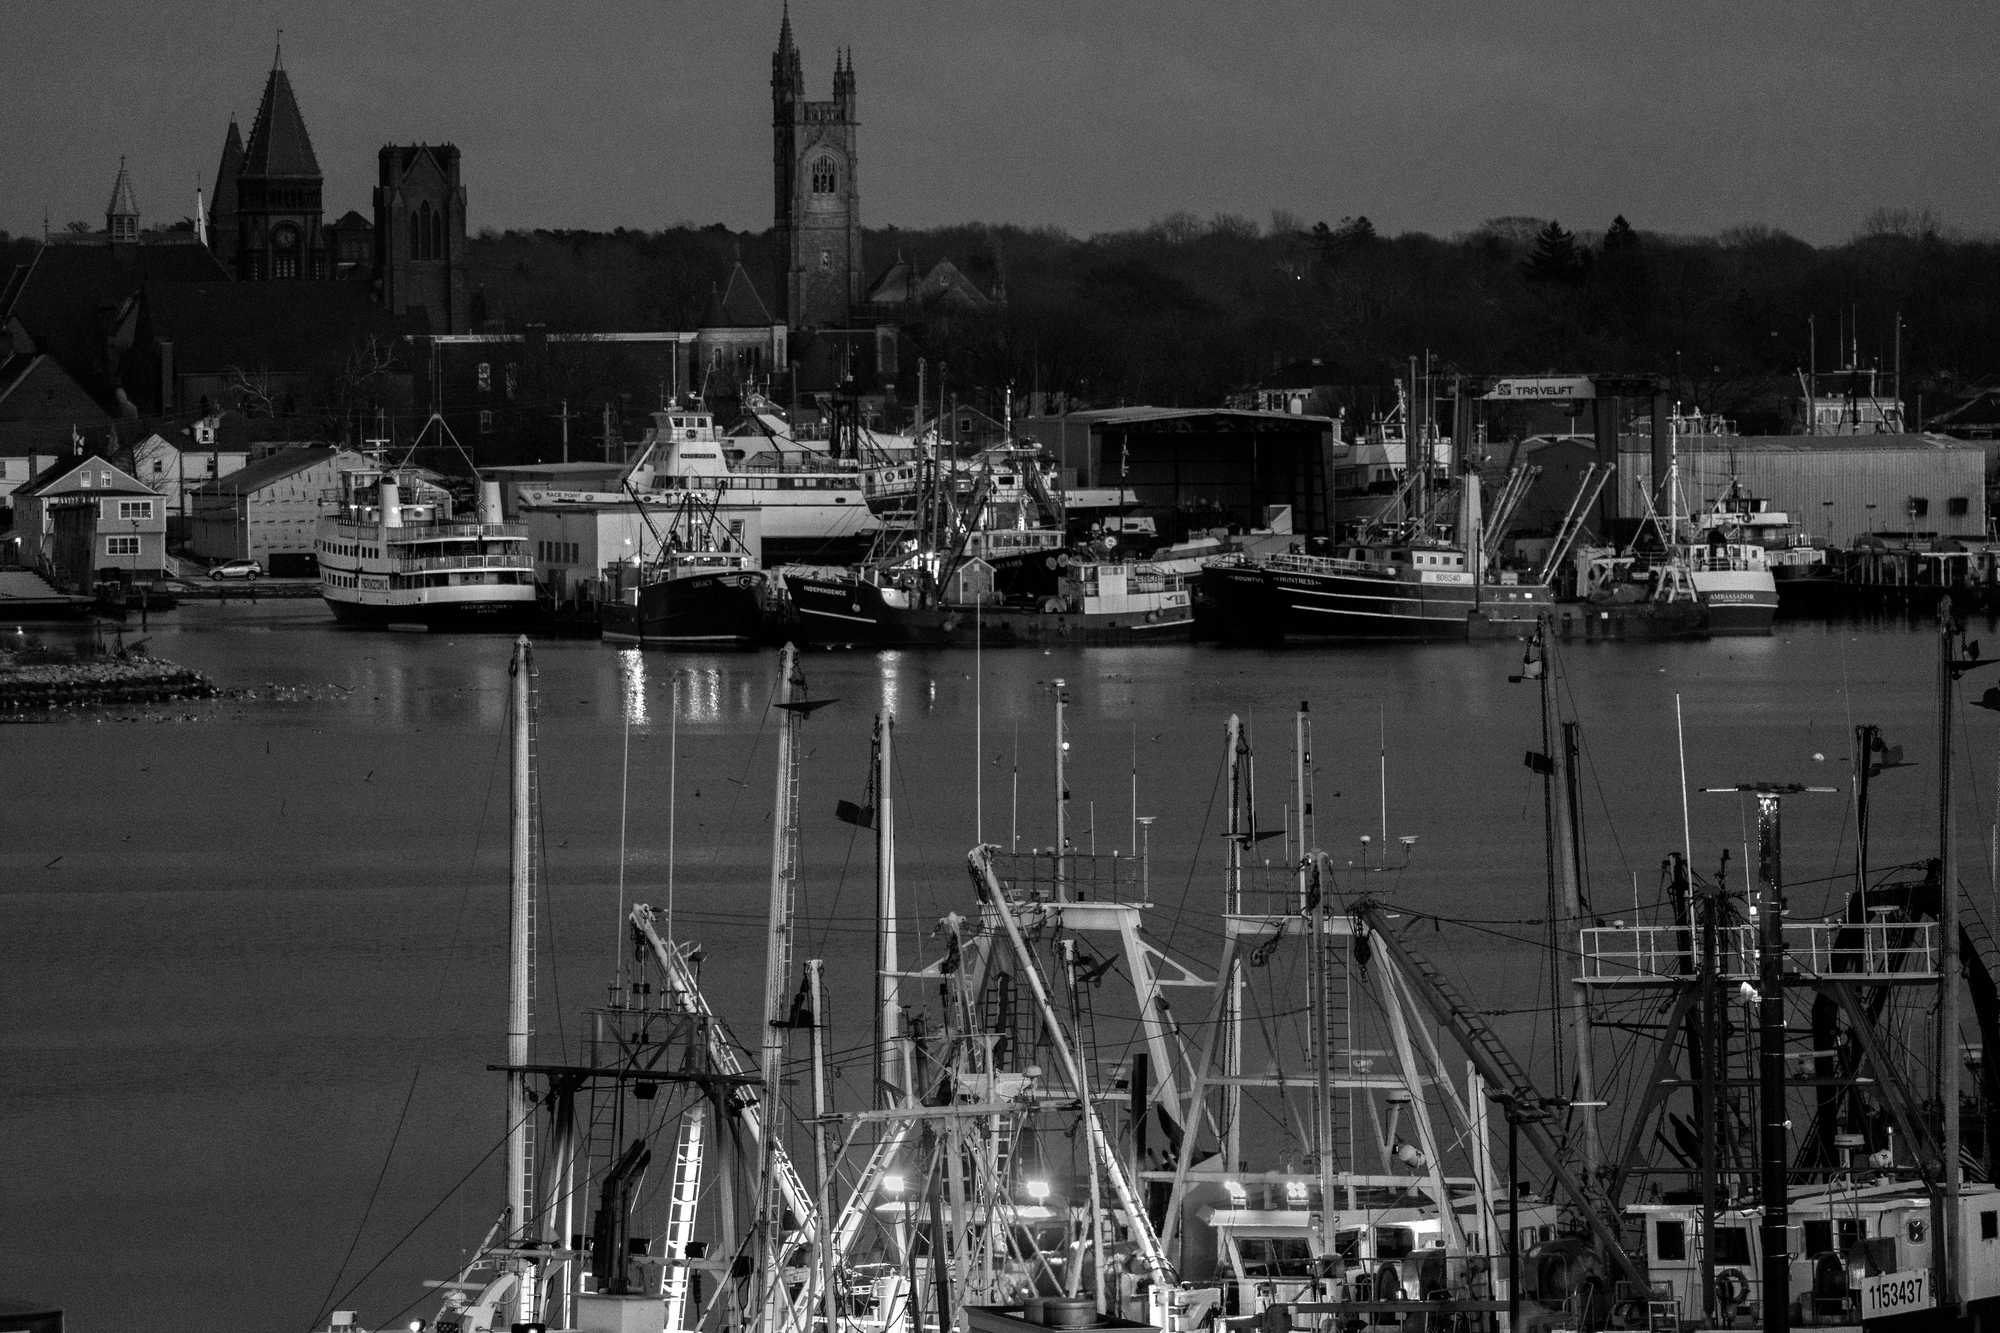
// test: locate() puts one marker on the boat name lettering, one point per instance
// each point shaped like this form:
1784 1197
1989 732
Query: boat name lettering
1907 1289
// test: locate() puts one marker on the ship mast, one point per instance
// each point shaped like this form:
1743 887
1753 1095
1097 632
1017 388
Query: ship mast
521 979
891 1087
772 1296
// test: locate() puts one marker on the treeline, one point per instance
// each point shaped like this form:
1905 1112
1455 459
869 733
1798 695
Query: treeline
1187 310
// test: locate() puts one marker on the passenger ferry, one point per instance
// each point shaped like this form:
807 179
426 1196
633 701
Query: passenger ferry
392 552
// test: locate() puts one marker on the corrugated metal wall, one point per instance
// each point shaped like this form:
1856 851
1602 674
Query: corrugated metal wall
1834 492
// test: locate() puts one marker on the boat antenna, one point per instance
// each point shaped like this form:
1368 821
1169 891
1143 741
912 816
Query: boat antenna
624 808
673 786
978 731
1680 741
1382 768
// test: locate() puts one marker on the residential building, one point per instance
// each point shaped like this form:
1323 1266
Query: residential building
174 463
85 519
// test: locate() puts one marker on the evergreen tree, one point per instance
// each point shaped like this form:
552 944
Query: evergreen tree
1555 257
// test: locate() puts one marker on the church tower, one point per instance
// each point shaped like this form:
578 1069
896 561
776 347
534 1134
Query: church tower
121 216
817 215
420 234
278 208
222 199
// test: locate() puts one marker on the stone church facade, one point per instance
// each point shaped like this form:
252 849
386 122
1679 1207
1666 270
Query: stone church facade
816 219
266 221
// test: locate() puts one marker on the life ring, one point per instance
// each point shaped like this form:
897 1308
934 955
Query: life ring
1731 1287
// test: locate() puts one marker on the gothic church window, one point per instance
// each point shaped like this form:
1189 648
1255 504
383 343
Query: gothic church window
823 175
427 232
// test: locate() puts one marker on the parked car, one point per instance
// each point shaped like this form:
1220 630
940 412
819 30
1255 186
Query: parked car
237 569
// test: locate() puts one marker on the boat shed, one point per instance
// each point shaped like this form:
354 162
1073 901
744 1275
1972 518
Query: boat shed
1835 488
1204 466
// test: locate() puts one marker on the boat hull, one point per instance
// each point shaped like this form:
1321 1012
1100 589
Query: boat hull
840 608
713 609
454 613
1737 601
1256 604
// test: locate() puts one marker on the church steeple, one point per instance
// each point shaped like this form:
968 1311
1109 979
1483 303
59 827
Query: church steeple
788 82
121 215
278 190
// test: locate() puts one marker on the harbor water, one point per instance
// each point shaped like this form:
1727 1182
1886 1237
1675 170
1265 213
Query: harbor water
255 946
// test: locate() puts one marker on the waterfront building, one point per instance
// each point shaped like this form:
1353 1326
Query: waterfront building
1195 467
84 519
268 511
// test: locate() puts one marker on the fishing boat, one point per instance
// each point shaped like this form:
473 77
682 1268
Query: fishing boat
392 551
700 587
1419 578
1792 1152
987 561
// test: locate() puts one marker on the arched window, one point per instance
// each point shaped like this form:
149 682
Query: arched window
426 232
823 175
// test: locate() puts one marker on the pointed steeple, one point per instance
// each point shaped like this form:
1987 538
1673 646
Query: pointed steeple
121 215
787 78
279 145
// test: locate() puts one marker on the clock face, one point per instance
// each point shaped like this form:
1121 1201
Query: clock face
285 238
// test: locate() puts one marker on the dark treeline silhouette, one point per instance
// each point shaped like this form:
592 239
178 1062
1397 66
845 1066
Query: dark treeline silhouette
1185 311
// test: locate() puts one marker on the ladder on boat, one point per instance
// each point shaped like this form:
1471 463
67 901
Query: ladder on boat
683 1194
725 1060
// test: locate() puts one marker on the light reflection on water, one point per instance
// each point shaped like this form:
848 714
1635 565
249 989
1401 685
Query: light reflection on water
260 930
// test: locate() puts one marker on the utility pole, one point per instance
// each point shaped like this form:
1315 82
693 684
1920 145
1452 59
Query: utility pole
564 417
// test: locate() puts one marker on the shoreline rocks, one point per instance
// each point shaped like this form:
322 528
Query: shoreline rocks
29 683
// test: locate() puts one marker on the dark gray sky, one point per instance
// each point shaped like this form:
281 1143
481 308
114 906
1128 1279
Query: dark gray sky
1086 115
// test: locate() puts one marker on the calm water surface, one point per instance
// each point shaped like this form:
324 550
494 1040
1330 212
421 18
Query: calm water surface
255 948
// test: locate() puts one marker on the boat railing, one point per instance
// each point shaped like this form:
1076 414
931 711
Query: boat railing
1300 563
1046 875
1872 951
431 532
435 562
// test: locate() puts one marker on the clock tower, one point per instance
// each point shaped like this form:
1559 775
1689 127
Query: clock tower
278 186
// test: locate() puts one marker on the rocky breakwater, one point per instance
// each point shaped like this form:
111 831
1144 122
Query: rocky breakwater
33 681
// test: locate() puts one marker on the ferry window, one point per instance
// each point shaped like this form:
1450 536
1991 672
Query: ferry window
1732 1245
1818 1236
1394 1242
1670 1240
1989 1225
485 374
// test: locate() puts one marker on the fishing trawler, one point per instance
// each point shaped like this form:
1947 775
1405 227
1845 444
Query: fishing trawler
1418 578
700 587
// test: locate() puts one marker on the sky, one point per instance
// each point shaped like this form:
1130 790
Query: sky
1084 115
